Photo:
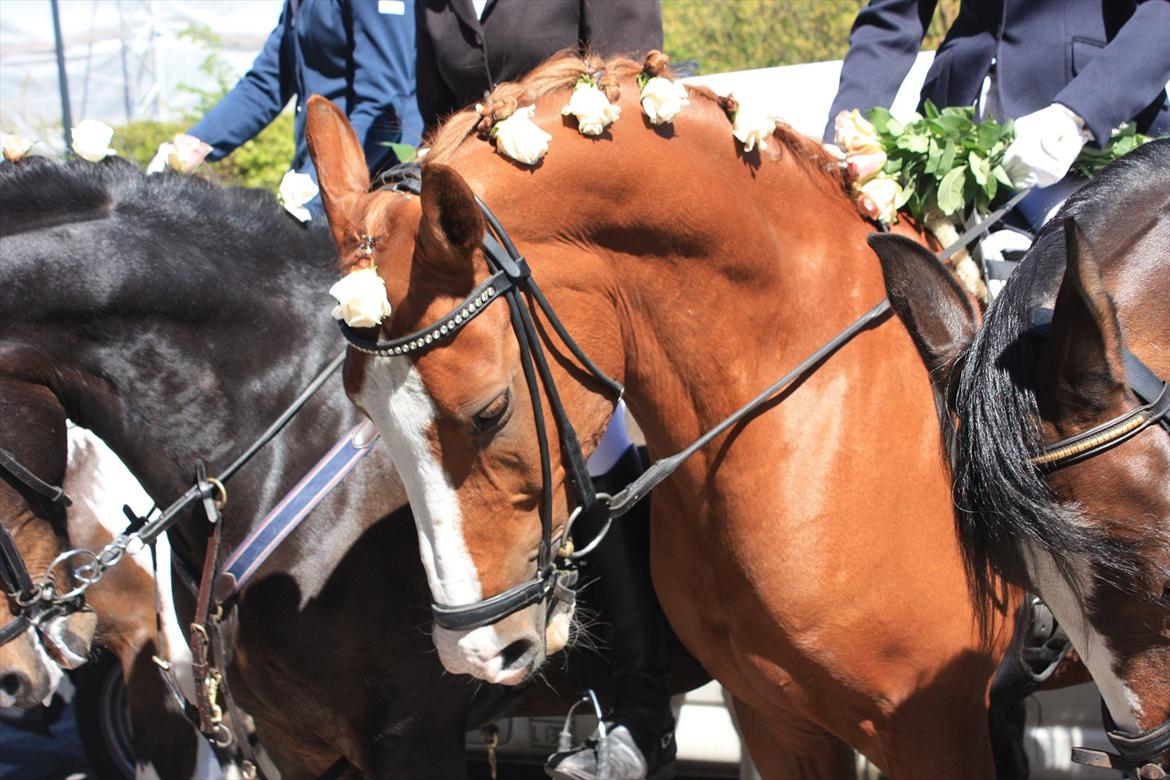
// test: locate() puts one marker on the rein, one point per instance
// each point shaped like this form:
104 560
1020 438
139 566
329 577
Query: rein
511 279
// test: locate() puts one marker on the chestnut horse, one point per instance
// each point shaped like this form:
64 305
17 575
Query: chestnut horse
807 558
1086 522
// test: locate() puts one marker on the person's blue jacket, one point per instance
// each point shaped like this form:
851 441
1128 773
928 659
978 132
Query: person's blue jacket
1107 60
358 53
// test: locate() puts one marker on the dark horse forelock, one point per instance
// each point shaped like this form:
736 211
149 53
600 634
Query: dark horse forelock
1002 499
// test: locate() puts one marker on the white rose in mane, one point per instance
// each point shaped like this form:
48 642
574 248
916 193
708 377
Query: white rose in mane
592 108
297 189
361 299
878 198
753 126
520 138
15 146
662 99
854 134
91 140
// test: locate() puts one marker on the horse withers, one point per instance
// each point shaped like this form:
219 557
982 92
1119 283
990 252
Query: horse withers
807 557
1058 484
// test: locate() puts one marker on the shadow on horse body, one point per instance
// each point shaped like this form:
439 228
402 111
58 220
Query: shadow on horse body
1089 531
808 557
176 320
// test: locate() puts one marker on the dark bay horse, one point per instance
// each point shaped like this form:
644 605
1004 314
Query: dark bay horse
808 557
1085 523
175 320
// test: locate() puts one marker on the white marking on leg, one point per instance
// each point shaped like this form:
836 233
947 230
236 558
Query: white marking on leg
1123 703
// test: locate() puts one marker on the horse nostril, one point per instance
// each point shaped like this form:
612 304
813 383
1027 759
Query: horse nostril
14 684
515 652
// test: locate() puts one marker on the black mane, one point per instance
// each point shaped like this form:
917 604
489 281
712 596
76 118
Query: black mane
133 236
1002 499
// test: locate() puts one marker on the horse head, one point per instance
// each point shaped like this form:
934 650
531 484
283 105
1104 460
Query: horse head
459 417
1056 485
41 638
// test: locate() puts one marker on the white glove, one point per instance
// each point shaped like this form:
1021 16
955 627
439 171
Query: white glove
1001 241
1047 144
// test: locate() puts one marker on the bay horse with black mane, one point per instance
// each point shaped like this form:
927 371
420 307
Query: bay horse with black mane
807 557
1058 484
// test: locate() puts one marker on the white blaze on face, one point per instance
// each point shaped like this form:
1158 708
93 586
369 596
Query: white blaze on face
394 395
1123 704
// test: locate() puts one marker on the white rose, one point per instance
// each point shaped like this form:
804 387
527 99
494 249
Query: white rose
752 127
297 189
592 108
91 140
878 198
15 146
662 99
158 163
520 138
854 134
361 299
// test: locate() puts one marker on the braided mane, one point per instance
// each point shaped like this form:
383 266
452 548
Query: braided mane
562 71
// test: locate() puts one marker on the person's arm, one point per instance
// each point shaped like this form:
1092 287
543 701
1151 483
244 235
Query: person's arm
883 44
254 101
630 27
383 108
435 97
1126 76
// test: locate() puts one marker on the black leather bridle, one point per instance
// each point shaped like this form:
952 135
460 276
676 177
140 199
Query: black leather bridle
33 601
511 280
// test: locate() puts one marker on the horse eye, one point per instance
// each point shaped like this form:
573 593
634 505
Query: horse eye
495 414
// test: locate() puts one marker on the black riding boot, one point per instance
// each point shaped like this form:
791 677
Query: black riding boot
617 584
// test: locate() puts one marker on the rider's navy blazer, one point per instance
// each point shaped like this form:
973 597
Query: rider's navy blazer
1107 60
358 53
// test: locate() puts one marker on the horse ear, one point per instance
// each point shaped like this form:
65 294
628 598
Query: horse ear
938 313
1085 351
341 164
450 215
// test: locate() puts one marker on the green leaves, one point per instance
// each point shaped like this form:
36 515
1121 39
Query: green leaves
1091 161
944 159
950 190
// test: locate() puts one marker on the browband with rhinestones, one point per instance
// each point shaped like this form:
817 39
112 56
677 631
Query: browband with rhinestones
496 285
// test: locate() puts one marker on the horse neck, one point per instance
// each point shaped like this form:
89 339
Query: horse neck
677 272
191 365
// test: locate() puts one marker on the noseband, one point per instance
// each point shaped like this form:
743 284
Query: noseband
36 601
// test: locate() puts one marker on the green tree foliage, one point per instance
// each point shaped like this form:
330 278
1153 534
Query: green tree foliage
725 35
